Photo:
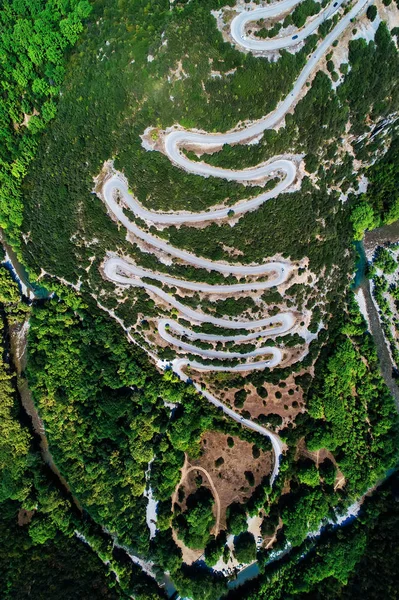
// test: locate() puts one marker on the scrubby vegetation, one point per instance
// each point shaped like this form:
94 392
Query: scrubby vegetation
115 424
118 116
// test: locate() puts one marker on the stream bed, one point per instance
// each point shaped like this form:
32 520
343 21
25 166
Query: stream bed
362 288
387 234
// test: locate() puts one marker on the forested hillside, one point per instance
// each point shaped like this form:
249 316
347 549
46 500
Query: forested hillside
199 299
34 39
357 561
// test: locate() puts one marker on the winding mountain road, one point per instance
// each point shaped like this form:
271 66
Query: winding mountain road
179 364
113 187
175 140
124 273
210 337
241 21
281 323
208 353
117 183
121 271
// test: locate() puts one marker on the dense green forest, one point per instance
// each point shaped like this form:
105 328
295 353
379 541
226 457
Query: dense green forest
105 435
61 567
356 561
81 81
14 439
39 551
103 406
34 39
355 413
193 526
380 204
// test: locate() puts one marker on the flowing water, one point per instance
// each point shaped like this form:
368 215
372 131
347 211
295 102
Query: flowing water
20 274
361 264
383 235
388 234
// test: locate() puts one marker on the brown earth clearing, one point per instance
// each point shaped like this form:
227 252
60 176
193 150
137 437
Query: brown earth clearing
226 467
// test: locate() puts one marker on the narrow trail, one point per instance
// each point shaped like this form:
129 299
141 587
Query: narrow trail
214 492
179 365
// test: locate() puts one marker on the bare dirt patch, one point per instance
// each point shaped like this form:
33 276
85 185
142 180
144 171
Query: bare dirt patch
285 401
25 517
226 467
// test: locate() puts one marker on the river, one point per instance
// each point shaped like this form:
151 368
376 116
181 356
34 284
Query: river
388 234
19 333
362 287
20 274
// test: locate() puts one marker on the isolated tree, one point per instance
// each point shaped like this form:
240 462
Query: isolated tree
372 12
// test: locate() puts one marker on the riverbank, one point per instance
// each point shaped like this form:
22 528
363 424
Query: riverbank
387 366
388 234
18 335
29 289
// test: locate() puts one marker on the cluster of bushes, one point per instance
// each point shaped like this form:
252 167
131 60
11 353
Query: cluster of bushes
379 205
305 9
385 261
383 292
194 524
344 420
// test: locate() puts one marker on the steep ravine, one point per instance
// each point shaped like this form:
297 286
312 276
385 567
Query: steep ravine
384 356
371 241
